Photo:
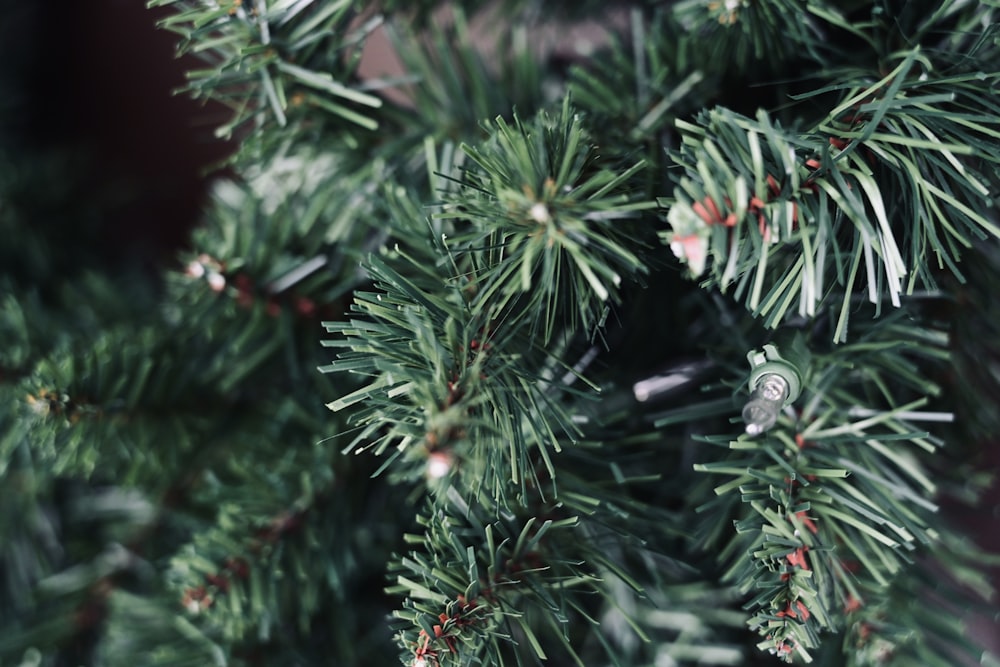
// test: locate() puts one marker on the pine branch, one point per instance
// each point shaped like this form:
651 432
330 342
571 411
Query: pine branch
77 408
454 80
57 575
539 208
881 630
331 216
454 337
774 207
477 586
149 629
278 556
275 61
508 565
442 382
836 502
755 35
636 91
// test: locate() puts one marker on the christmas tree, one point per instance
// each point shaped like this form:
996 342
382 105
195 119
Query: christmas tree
611 334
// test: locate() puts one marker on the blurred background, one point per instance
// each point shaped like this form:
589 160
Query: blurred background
88 87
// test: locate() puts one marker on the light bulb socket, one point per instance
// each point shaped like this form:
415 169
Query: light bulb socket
770 362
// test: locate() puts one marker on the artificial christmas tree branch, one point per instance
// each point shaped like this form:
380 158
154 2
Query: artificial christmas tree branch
516 228
855 508
535 453
292 59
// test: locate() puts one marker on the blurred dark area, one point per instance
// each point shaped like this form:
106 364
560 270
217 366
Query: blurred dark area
93 141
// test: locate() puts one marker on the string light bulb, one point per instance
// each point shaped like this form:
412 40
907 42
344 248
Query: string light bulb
439 464
766 401
775 382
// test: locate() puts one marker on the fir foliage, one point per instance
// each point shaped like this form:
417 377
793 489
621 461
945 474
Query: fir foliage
290 57
539 281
